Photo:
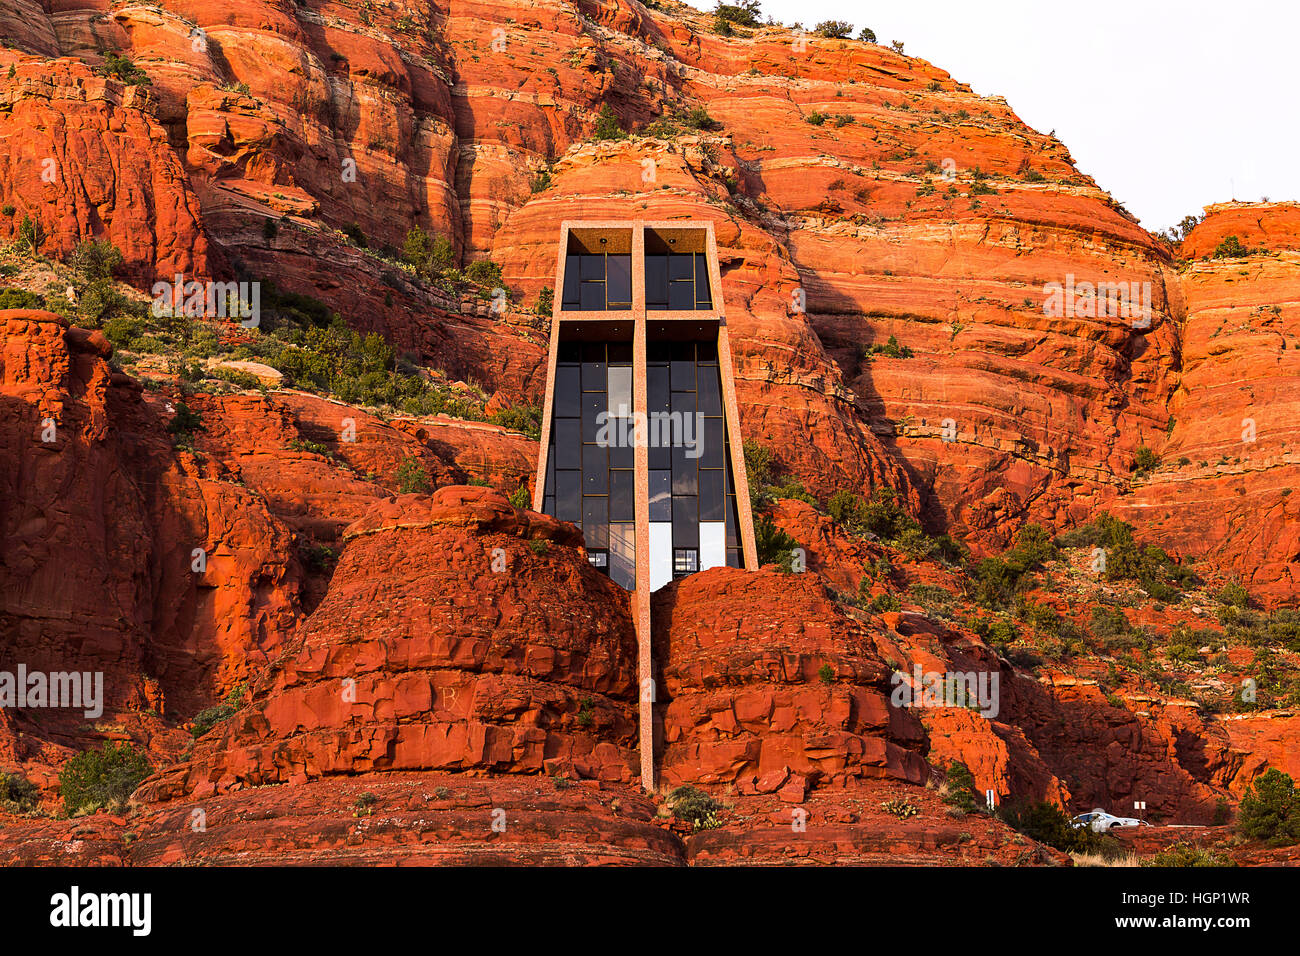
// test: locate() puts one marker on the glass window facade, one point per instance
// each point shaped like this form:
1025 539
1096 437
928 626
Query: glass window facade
589 476
598 282
690 471
677 281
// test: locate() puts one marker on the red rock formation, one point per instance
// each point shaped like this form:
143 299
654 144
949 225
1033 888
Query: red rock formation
86 158
457 634
745 659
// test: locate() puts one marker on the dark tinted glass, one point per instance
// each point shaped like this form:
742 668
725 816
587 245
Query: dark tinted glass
661 508
711 443
684 404
620 496
710 391
683 377
568 495
657 389
595 377
733 558
707 352
568 443
571 279
567 386
621 456
733 536
595 470
592 297
686 528
684 471
595 522
681 266
702 299
620 353
593 410
657 352
619 279
711 495
681 295
656 281
593 267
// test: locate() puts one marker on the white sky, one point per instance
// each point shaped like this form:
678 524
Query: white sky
1168 105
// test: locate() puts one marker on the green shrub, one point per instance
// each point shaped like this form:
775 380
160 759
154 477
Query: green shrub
867 35
961 788
608 125
17 793
319 558
815 118
102 778
355 235
96 259
1270 810
826 674
900 808
884 602
744 13
1048 823
1187 855
834 29
209 717
121 67
31 236
1233 595
485 273
1231 248
521 498
411 477
1145 461
185 423
891 349
525 419
427 253
695 807
539 546
545 300
20 299
774 545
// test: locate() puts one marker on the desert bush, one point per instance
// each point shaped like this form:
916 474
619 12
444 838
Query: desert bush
1187 855
95 259
961 788
104 778
411 477
20 299
834 29
1270 810
209 717
608 125
695 807
525 419
774 545
17 793
900 808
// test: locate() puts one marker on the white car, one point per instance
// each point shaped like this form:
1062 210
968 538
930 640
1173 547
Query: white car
1100 821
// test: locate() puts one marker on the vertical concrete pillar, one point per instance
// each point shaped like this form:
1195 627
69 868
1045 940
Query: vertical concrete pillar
641 483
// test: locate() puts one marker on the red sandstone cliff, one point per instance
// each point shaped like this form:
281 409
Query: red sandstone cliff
915 209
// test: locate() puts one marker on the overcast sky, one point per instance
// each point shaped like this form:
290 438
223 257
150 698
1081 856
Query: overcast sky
1168 105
